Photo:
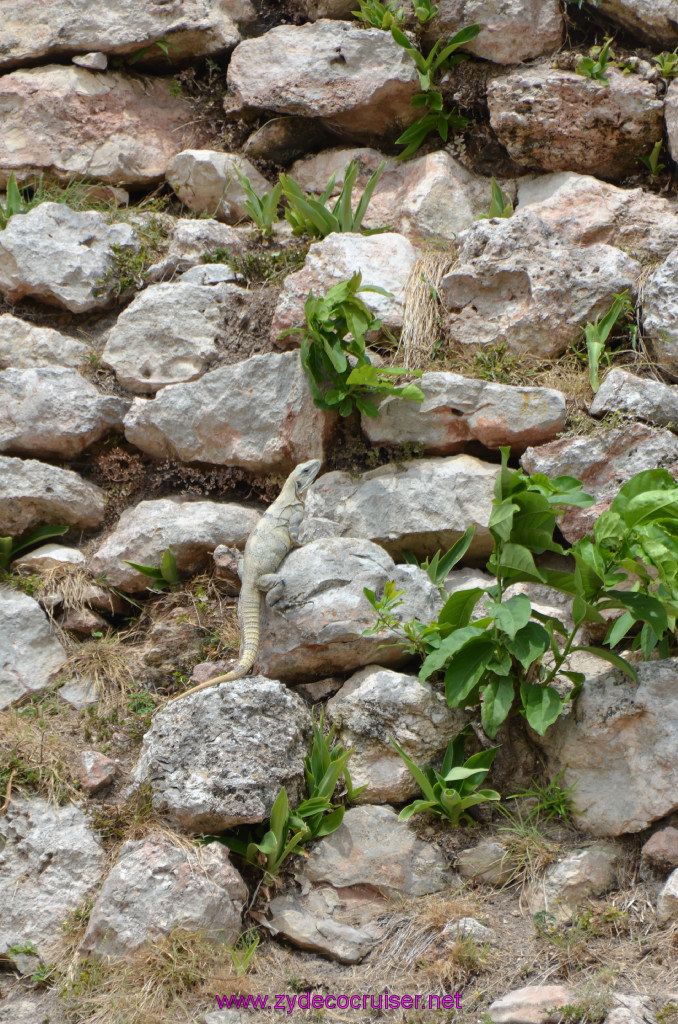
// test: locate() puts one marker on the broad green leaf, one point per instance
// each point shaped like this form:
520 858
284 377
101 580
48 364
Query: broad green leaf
542 706
457 551
516 564
466 668
168 567
528 644
496 704
511 615
459 606
449 646
612 658
145 570
415 771
643 606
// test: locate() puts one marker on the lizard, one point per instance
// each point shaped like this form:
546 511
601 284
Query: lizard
276 533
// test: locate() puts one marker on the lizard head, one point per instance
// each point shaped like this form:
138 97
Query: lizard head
304 474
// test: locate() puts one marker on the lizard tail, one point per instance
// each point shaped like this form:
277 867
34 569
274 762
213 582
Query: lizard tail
249 610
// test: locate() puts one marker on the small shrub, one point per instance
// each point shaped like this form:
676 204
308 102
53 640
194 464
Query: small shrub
651 160
596 64
500 205
309 216
424 12
379 15
597 333
14 203
166 575
262 209
667 63
335 330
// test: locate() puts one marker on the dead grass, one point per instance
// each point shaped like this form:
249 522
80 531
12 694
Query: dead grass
422 323
102 664
34 760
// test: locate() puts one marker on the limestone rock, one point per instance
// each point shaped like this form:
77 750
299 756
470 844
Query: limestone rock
34 29
189 241
96 771
377 704
660 852
417 506
33 493
583 211
671 115
191 529
384 260
29 653
155 886
603 463
517 283
660 312
459 409
315 9
510 32
53 411
469 928
168 334
652 21
218 758
645 399
554 120
61 257
530 1005
211 274
66 121
324 610
23 345
49 555
487 861
93 61
49 862
667 901
578 876
358 81
429 198
206 181
215 419
354 855
619 749
335 924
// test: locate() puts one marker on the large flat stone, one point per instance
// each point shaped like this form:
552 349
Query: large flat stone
30 654
652 21
660 312
207 181
217 418
34 493
511 32
640 397
23 345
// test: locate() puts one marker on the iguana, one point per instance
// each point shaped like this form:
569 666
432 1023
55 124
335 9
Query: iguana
272 538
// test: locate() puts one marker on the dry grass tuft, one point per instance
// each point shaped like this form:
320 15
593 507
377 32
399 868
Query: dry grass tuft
421 319
34 760
103 665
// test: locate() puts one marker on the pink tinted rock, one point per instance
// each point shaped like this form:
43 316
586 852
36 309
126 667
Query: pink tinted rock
660 852
529 1005
96 771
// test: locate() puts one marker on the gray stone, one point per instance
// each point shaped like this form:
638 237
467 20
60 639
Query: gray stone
619 749
157 885
225 1017
209 274
93 61
511 32
50 862
168 334
325 613
377 704
355 855
53 411
652 21
325 921
23 345
517 283
639 397
29 653
554 120
206 181
358 81
418 506
671 116
667 901
33 29
47 556
61 257
66 122
215 419
660 312
33 493
384 260
459 409
192 529
190 241
487 861
583 210
580 875
532 1004
218 758
469 928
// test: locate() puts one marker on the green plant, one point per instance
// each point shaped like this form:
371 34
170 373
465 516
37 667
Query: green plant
651 160
500 205
424 11
167 575
9 550
507 660
262 209
436 59
597 333
438 119
14 203
312 217
439 566
550 801
326 763
667 63
450 792
595 65
244 950
335 330
164 45
260 267
379 15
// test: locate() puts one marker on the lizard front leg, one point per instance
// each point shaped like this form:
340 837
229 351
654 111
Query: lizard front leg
273 585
